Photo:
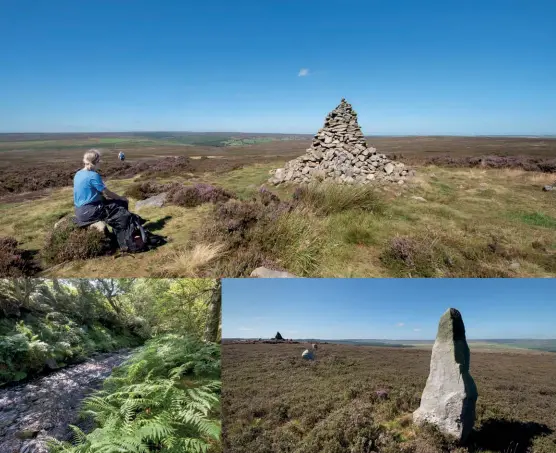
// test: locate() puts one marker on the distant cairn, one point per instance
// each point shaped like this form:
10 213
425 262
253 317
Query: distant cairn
339 153
450 394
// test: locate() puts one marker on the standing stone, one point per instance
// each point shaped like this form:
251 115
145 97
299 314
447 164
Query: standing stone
450 394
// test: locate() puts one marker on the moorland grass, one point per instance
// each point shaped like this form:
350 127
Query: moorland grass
273 401
473 223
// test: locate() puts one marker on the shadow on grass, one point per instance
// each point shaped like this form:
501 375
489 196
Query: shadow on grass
504 435
158 225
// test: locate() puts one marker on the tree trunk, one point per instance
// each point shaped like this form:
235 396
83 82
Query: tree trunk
215 312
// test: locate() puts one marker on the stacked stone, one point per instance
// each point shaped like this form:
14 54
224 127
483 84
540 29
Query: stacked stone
339 152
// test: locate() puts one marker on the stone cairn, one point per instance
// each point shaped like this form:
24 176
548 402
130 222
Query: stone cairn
339 153
450 394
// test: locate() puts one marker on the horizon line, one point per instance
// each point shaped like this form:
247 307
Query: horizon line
553 135
386 339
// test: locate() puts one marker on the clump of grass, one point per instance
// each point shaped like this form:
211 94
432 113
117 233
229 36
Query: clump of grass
288 234
535 219
438 255
14 262
355 234
326 199
67 242
260 231
430 440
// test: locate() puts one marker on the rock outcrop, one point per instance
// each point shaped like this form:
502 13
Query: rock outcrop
450 394
100 226
339 153
156 201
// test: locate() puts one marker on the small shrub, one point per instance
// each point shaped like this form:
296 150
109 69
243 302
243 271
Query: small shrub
403 250
351 428
267 197
191 196
68 242
14 262
146 189
526 163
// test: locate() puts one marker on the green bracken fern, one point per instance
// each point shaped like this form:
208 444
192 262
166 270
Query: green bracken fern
166 398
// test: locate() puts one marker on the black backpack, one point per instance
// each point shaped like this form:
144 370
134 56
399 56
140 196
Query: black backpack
135 238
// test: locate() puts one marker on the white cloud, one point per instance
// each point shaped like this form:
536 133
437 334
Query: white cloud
244 328
416 330
303 72
400 324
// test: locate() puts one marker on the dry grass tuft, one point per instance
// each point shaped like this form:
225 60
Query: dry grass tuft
191 262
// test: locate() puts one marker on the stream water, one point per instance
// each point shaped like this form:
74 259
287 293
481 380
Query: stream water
47 405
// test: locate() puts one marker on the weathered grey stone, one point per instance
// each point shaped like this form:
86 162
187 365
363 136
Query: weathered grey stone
308 355
388 168
450 394
547 188
153 202
263 272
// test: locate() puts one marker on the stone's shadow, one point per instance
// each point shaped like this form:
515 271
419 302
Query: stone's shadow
158 225
504 435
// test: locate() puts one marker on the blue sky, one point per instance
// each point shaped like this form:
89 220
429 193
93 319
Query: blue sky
408 67
395 309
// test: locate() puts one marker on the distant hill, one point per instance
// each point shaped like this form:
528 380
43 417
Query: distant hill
218 139
533 344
